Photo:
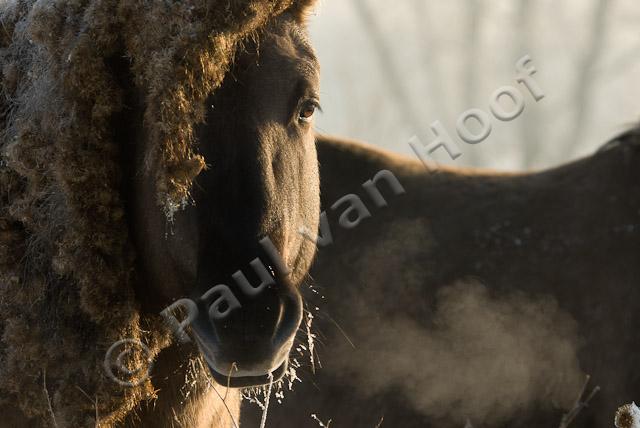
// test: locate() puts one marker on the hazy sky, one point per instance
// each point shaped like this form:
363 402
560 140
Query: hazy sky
390 69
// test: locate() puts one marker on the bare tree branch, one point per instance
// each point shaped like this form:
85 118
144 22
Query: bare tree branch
387 64
628 58
529 123
438 106
580 404
583 90
471 54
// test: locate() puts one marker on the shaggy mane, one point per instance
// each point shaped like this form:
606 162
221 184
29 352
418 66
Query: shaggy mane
66 260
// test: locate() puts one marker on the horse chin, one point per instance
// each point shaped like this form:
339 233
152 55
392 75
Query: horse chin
247 380
237 377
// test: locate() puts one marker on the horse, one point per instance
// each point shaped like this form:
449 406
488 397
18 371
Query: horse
473 297
261 180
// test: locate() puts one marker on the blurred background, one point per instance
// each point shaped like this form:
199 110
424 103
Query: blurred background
389 69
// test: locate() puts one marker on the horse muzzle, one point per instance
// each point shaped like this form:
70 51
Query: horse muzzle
250 345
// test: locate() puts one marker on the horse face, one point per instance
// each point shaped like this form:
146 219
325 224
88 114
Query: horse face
261 181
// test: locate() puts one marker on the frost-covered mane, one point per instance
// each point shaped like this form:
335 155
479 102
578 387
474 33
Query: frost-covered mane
66 262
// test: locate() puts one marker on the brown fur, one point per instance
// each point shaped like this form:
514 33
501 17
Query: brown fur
563 243
66 263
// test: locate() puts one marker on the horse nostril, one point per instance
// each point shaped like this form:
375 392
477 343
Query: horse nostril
280 318
224 306
289 316
271 317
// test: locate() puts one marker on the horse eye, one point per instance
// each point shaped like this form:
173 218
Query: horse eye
307 111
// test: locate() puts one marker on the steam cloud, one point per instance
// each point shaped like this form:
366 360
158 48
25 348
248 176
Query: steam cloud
478 357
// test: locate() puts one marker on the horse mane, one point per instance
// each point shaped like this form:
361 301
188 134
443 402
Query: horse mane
66 260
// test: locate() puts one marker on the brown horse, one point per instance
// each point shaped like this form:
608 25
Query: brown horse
415 340
261 181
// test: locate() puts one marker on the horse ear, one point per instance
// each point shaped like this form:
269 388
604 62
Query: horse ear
301 9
